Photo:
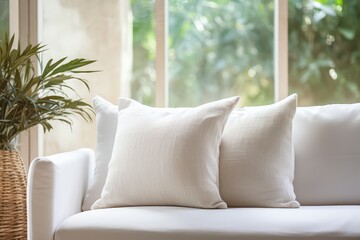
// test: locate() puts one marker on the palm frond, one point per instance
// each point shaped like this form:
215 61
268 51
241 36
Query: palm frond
28 99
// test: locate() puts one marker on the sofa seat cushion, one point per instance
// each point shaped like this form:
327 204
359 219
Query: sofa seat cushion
177 223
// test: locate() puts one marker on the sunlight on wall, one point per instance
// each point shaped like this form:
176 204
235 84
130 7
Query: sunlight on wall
83 29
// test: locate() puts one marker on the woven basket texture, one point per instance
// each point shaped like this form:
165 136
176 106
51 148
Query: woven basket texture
12 196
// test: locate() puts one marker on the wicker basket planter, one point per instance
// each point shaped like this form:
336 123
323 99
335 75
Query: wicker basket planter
12 196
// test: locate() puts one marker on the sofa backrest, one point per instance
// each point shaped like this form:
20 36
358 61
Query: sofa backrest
327 154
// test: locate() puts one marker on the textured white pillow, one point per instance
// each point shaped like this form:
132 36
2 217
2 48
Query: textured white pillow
257 158
106 124
166 156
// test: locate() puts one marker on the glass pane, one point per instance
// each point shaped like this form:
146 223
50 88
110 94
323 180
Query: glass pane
144 51
220 49
324 51
83 29
4 17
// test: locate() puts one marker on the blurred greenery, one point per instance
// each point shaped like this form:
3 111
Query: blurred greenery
220 48
144 51
4 16
324 51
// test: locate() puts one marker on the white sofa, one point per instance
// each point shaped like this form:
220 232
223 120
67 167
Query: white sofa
327 185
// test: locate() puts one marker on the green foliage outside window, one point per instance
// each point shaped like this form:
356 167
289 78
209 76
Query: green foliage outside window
4 16
324 51
219 48
144 51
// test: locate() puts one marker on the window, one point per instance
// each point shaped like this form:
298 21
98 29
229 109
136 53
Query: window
216 49
4 16
221 48
213 49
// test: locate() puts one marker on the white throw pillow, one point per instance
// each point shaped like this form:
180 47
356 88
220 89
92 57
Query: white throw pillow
327 154
166 156
106 124
257 158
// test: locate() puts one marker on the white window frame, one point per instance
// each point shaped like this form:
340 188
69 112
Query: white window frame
162 35
281 73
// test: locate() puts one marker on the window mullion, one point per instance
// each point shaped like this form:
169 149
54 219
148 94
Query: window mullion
281 49
14 19
24 23
161 16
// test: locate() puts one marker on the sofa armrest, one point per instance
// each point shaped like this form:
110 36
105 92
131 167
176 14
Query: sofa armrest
55 191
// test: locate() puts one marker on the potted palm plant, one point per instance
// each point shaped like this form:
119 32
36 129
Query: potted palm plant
28 99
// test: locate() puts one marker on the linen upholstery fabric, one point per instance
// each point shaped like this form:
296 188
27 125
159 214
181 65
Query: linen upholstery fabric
177 223
106 124
257 158
327 153
55 190
166 156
